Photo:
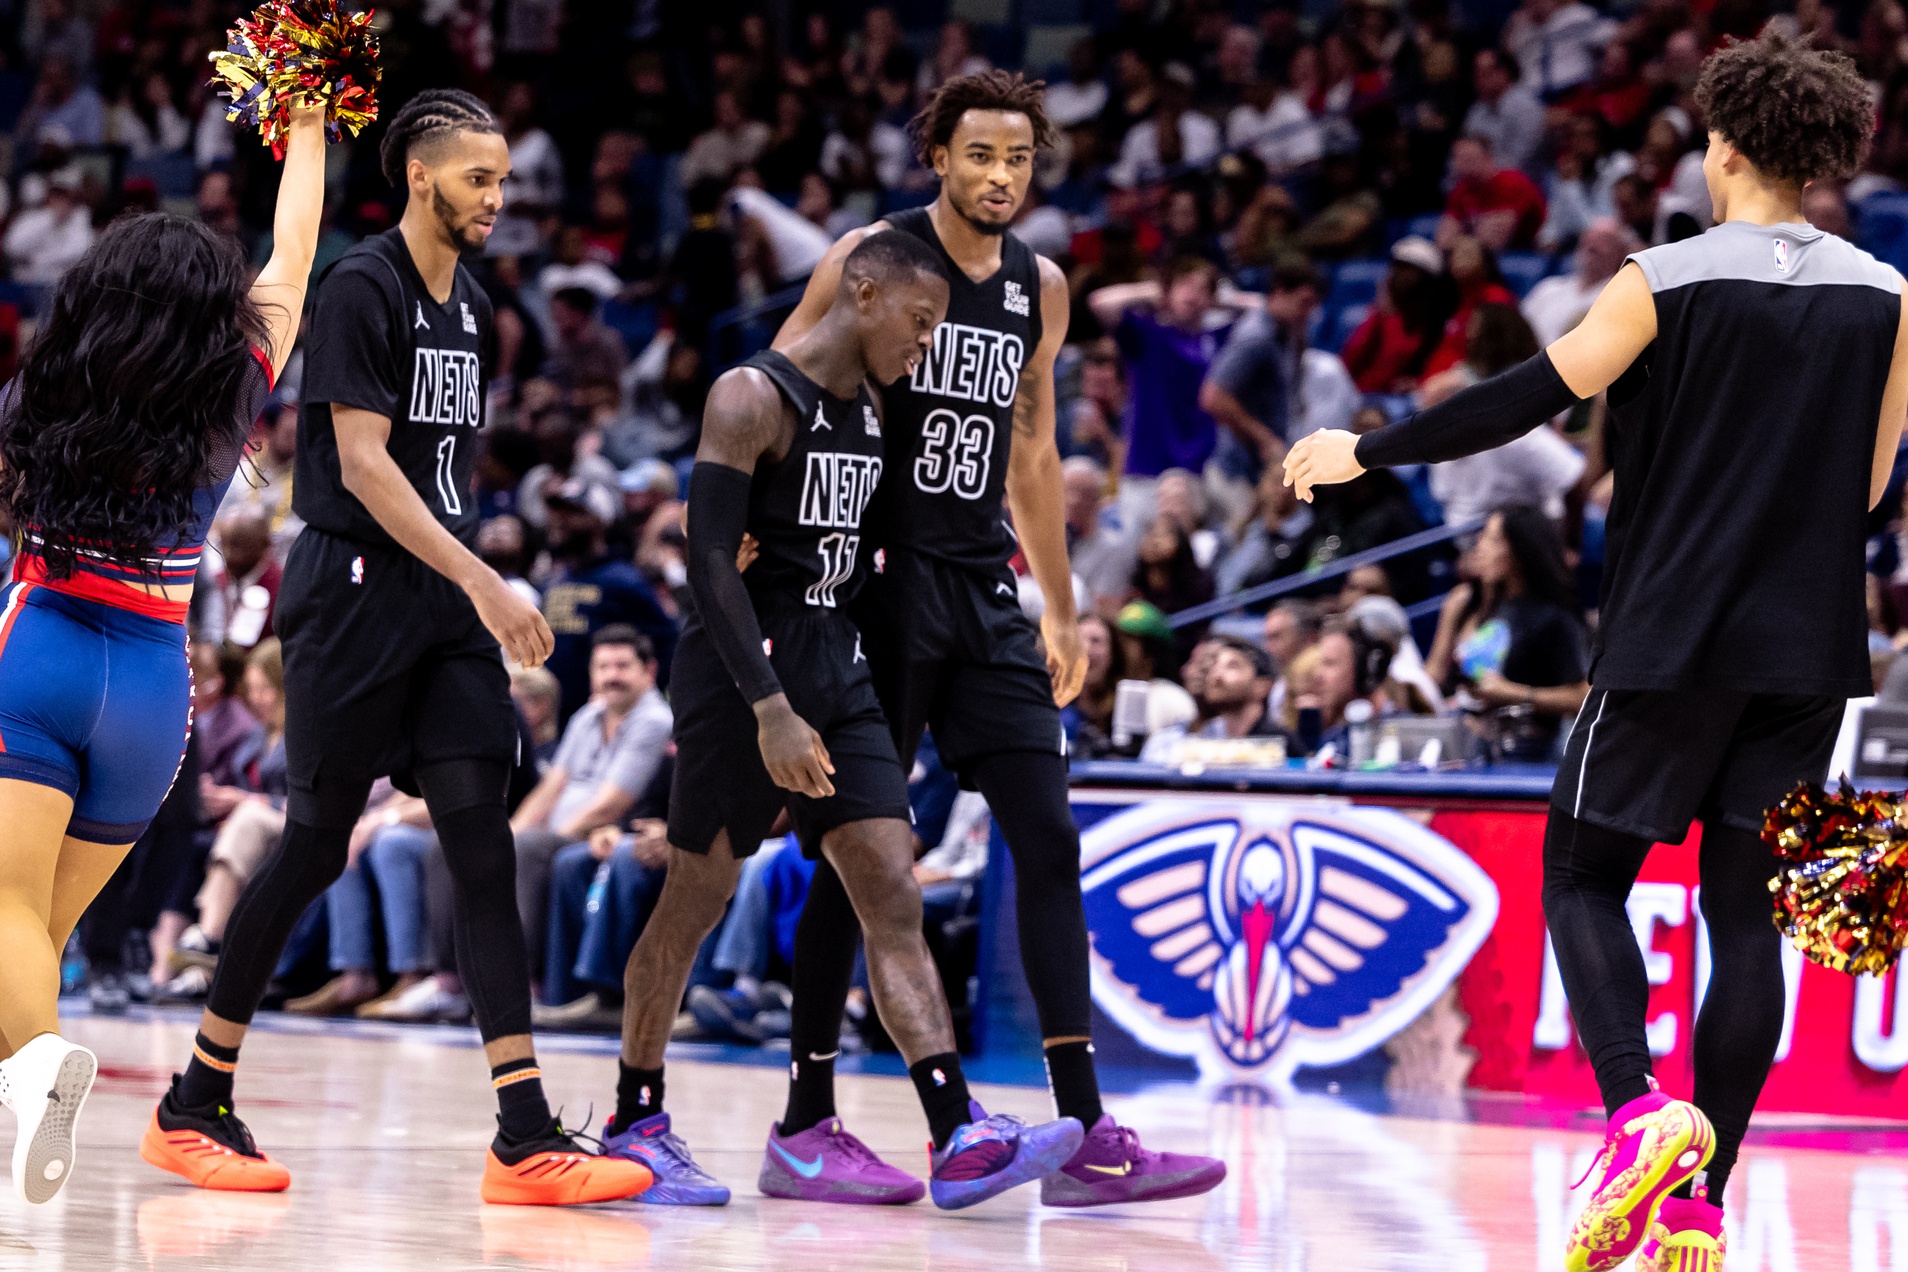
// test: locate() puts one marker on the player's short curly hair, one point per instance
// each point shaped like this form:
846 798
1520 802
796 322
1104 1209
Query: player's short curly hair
989 90
1798 114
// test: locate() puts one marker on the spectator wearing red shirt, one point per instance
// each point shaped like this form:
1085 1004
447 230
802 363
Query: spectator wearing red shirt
1388 351
1474 271
1500 206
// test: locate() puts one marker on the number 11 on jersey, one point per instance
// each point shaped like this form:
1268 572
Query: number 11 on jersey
838 565
447 476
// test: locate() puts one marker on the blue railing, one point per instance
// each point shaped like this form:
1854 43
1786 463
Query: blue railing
1345 565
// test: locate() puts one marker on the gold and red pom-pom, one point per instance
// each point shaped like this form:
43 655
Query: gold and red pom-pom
300 51
1841 889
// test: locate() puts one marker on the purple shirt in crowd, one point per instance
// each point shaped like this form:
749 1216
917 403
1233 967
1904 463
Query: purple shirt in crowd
1164 368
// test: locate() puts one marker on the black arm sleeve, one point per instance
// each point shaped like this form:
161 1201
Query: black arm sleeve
1498 410
718 516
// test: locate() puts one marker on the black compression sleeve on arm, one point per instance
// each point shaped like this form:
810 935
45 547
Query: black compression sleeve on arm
718 516
1498 410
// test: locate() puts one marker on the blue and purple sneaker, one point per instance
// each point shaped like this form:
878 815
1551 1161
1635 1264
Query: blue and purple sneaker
826 1163
989 1155
679 1181
1112 1167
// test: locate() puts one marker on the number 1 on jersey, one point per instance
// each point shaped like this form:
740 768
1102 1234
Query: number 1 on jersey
838 565
447 477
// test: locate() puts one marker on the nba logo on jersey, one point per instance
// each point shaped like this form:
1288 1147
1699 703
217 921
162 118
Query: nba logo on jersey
357 569
470 319
881 560
1782 255
1258 937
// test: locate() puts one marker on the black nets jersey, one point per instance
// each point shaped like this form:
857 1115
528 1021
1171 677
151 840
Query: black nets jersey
379 342
805 509
951 424
1742 441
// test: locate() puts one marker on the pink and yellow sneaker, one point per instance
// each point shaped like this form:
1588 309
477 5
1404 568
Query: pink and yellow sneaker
1686 1237
1653 1145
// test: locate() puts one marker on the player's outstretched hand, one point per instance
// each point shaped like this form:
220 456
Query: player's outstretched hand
515 622
793 752
1324 458
1066 657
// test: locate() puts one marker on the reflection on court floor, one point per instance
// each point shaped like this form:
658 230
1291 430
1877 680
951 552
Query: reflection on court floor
384 1130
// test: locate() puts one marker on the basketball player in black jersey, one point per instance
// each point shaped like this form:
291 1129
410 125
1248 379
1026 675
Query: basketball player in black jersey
1757 378
392 627
970 440
775 708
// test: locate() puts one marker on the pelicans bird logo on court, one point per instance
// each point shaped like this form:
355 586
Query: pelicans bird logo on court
1260 936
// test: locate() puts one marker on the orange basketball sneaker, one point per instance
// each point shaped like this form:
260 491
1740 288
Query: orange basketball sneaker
554 1170
211 1148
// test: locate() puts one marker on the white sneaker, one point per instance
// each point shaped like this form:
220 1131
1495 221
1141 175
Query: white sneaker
45 1083
427 1000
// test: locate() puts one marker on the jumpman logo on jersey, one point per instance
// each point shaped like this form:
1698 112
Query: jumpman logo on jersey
821 421
420 318
859 657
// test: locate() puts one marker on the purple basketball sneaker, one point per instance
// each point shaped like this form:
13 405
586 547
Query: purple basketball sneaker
989 1155
1112 1167
826 1163
679 1181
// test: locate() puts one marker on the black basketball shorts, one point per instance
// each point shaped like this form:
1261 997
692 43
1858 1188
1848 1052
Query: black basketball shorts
1647 762
387 667
951 650
720 782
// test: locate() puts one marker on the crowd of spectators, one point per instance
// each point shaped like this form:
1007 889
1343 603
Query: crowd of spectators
1275 218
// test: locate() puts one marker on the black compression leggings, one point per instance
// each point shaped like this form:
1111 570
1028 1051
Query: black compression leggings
1027 795
466 799
1588 873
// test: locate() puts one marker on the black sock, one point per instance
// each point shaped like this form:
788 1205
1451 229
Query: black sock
522 1112
811 1092
943 1090
207 1079
1076 1087
639 1094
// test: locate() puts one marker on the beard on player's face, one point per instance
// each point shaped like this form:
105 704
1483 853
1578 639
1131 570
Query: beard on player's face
460 227
968 207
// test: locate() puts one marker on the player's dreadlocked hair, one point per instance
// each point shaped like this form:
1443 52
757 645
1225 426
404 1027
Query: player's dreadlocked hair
431 114
128 395
1796 113
989 90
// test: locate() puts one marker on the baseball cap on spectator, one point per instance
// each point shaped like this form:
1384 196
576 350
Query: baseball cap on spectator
584 496
650 477
1413 249
1144 619
1381 618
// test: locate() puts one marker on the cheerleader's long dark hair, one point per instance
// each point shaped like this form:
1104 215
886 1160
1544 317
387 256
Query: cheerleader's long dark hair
127 398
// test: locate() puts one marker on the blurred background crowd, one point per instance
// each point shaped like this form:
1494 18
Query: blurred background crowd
1276 217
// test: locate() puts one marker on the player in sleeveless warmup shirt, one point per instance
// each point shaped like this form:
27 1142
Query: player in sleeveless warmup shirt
971 437
152 362
1757 378
775 707
394 633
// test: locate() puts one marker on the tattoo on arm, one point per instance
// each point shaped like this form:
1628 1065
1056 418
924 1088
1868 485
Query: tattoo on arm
1027 407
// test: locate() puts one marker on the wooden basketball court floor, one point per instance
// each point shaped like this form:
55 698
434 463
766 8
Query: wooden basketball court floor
384 1129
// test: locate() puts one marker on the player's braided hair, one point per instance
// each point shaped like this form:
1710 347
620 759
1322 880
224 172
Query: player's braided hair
430 114
989 90
1798 114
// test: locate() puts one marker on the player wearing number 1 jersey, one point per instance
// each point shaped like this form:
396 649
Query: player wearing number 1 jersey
970 439
392 628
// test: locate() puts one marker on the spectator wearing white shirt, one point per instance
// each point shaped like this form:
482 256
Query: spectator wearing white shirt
1102 557
43 242
1558 303
1557 43
733 143
1277 125
1505 111
864 152
1537 469
611 749
536 169
1174 134
1082 95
